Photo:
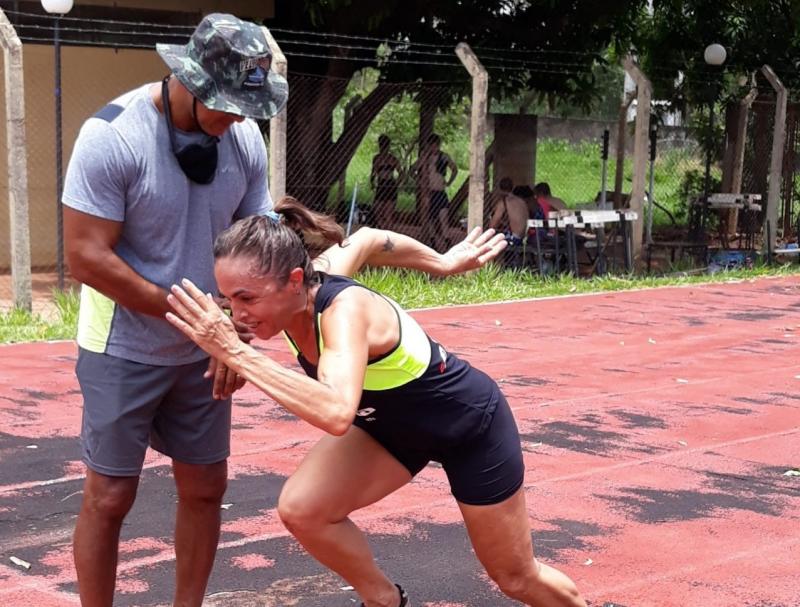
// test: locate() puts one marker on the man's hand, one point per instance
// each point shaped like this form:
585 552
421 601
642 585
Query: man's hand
474 252
226 381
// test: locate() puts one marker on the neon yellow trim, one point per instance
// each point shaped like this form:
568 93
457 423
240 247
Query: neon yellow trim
94 320
292 347
406 363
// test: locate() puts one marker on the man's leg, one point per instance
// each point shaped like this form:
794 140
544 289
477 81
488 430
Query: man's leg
197 524
106 501
338 476
443 228
120 398
501 536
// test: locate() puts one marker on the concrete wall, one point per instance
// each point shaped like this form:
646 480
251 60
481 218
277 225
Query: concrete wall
514 148
251 8
576 130
90 77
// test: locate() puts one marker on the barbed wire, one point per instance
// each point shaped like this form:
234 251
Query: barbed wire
84 42
401 47
445 47
98 31
434 63
393 52
190 28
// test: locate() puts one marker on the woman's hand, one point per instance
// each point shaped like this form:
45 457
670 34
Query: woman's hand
474 252
203 321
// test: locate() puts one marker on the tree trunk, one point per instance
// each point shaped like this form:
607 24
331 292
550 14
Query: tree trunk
316 162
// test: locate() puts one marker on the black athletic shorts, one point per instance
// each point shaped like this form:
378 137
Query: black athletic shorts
486 469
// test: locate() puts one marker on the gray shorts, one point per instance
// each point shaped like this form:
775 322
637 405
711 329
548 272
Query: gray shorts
127 405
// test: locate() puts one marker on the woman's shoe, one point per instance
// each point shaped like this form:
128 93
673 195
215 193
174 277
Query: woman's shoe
404 602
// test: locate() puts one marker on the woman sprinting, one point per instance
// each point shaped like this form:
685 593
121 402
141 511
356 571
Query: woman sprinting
389 397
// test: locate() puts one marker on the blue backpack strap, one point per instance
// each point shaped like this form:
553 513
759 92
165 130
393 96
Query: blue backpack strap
109 112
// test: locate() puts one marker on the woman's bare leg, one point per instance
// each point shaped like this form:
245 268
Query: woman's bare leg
501 536
340 475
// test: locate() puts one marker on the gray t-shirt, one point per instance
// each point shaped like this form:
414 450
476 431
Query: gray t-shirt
123 169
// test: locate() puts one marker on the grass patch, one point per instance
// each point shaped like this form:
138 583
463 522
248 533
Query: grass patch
491 284
416 290
23 326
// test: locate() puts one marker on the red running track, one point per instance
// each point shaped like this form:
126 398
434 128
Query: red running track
658 427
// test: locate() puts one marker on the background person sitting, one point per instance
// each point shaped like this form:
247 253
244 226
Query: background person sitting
526 193
509 216
546 200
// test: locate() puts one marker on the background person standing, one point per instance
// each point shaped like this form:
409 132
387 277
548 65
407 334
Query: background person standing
384 177
437 171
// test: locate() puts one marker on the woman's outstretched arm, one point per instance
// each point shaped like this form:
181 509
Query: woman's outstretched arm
373 247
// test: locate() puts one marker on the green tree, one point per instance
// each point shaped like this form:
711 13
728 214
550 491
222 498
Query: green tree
549 46
754 32
671 45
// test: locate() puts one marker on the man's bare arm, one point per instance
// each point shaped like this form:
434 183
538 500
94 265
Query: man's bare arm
89 243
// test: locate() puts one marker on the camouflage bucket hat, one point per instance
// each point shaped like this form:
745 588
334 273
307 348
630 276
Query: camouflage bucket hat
226 65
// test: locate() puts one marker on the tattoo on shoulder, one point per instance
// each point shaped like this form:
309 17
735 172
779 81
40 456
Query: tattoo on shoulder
388 245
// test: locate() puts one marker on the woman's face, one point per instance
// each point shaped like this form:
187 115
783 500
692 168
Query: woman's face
258 301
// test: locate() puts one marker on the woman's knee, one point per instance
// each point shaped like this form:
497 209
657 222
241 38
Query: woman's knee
300 511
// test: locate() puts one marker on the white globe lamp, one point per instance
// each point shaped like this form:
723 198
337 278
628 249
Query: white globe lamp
57 7
715 54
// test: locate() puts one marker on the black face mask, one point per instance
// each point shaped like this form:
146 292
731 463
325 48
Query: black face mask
198 161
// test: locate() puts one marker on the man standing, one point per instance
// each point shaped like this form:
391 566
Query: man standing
384 178
153 178
436 171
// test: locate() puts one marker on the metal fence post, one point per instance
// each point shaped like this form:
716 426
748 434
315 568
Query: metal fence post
776 157
640 148
277 127
477 133
19 226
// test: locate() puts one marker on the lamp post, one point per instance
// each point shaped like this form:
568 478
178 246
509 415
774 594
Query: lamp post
58 8
714 55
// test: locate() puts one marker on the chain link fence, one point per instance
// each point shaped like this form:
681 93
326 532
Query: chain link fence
361 149
357 149
84 92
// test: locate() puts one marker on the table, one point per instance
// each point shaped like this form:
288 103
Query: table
748 203
571 219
